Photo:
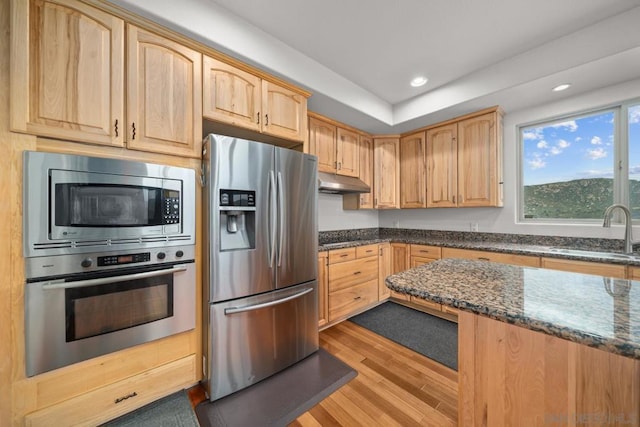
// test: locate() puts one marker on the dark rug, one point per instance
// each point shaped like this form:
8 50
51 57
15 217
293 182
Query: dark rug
281 398
171 411
429 335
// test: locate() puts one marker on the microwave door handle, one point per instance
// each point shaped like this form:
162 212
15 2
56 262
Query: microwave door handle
272 218
281 218
48 286
234 310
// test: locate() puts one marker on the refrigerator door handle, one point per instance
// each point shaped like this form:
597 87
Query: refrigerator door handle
271 252
234 310
281 218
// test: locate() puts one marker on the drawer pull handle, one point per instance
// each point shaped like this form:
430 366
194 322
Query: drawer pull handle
369 251
344 255
481 258
128 396
357 272
356 298
422 251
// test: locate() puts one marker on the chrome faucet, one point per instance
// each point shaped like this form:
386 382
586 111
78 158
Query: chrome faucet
628 239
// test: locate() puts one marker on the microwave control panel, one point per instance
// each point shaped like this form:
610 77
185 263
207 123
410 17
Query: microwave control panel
171 207
123 259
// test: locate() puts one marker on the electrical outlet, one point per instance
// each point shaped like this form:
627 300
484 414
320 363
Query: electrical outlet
473 226
396 224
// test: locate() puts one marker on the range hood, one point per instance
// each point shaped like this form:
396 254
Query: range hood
338 184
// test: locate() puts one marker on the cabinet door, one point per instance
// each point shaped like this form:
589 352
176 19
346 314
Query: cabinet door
164 97
413 171
384 270
399 257
478 161
418 261
323 288
230 95
442 166
386 174
67 72
347 153
366 170
322 143
284 112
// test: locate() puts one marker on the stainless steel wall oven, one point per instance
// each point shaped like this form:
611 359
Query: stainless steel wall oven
109 256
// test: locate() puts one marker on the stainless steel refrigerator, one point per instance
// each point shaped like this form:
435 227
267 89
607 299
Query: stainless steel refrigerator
261 261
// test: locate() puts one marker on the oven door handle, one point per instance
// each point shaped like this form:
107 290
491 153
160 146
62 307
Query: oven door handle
234 310
48 286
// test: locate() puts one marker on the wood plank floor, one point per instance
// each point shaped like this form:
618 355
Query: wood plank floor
394 386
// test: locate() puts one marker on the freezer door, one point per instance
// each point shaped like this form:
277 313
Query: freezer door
241 239
255 337
297 198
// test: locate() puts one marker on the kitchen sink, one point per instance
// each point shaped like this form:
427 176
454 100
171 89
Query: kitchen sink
593 254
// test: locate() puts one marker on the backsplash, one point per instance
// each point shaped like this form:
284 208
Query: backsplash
587 243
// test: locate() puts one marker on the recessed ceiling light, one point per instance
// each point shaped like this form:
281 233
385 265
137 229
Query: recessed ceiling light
419 81
561 87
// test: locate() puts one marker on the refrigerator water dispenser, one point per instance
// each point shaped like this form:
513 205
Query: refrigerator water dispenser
237 220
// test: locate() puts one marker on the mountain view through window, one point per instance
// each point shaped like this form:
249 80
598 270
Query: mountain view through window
570 168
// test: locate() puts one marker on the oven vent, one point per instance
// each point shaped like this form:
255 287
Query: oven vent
124 241
92 243
177 238
55 245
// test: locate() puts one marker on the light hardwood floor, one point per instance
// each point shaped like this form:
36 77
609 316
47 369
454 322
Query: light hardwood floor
394 386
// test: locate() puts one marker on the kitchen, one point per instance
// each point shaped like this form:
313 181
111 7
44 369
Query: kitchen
331 217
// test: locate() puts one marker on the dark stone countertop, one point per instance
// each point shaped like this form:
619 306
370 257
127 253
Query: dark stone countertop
607 256
591 310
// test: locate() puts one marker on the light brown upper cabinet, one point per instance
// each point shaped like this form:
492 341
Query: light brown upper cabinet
386 173
363 200
68 68
464 162
413 171
442 166
164 104
336 147
239 98
67 72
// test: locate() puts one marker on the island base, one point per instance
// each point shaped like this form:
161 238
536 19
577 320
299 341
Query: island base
509 375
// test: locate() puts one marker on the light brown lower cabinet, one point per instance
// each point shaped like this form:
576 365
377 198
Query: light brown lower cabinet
384 270
584 267
512 376
323 288
634 273
399 262
514 259
353 280
117 399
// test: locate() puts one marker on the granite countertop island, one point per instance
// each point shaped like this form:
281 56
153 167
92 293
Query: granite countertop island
591 310
537 346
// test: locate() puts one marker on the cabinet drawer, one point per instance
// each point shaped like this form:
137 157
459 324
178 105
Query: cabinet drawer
365 251
524 260
346 301
584 267
425 303
398 295
634 273
418 261
341 255
119 398
425 251
351 273
450 310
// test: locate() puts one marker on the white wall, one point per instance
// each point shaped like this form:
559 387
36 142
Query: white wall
503 220
332 217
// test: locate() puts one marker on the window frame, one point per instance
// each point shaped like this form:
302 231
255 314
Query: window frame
620 160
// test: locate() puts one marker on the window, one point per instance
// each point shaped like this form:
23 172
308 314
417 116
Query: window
574 167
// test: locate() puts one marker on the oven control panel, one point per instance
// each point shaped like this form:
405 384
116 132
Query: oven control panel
123 259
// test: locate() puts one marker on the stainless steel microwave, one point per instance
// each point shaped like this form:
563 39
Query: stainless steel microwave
75 204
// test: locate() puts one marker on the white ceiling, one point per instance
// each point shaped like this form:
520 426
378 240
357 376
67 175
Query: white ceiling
357 57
